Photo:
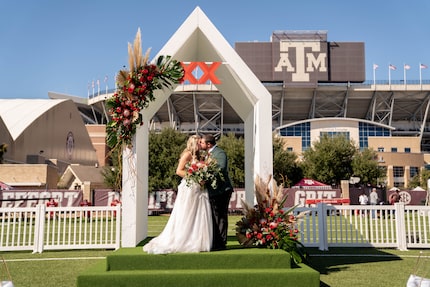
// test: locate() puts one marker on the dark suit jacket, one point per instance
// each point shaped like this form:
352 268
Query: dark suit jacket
223 186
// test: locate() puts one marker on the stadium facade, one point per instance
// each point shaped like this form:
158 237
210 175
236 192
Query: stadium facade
318 87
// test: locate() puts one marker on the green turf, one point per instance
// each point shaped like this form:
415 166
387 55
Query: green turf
235 267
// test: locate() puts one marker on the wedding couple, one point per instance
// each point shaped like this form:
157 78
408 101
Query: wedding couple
199 219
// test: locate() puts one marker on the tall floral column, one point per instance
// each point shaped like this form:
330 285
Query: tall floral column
136 89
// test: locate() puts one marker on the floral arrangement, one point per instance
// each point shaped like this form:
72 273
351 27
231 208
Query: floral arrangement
269 224
203 171
135 89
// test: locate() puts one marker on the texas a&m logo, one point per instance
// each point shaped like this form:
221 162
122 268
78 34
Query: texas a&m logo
308 59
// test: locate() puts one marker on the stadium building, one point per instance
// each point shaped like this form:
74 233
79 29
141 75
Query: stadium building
317 87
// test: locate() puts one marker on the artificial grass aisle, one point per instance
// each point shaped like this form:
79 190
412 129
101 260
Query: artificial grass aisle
229 268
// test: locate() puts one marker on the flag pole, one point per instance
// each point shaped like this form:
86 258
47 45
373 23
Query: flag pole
374 75
421 81
389 75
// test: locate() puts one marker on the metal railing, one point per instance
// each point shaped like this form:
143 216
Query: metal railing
47 228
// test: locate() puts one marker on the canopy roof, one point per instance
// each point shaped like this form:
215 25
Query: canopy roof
311 183
18 114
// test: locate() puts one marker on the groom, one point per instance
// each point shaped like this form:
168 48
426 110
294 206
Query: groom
219 198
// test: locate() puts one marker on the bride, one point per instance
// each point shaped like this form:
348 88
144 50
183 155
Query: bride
189 228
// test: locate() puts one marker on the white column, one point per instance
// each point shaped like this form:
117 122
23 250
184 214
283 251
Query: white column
135 190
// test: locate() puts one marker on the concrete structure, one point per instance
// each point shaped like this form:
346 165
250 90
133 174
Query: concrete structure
43 138
29 176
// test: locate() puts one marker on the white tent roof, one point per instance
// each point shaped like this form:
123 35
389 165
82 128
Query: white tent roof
18 114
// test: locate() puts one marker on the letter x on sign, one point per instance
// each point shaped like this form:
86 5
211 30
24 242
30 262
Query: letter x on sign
208 72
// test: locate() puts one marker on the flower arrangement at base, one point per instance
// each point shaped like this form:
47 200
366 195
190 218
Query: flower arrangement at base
203 171
135 89
269 224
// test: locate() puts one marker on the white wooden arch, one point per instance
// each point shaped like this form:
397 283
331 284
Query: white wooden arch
198 40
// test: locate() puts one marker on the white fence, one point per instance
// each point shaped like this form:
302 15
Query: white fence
46 228
389 226
323 226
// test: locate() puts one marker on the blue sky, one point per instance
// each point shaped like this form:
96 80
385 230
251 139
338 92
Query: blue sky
62 46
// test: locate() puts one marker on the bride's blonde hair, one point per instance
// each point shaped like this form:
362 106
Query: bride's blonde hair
193 146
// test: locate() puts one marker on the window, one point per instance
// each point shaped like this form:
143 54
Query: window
303 130
393 149
366 130
398 171
380 149
407 149
398 176
414 170
289 148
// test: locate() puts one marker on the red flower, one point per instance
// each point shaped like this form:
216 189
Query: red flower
273 225
126 113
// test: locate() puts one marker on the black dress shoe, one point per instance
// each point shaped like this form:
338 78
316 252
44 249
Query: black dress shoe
218 248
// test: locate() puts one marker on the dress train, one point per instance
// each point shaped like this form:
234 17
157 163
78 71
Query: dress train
189 228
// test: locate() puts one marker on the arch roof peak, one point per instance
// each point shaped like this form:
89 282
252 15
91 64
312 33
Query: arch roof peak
198 40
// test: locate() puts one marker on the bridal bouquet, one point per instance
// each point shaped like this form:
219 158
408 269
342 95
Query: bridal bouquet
203 171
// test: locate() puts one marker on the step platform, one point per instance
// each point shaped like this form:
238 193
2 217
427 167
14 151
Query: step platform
228 268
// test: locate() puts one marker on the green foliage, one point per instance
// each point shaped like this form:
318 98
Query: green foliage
112 175
420 179
165 149
235 149
329 160
286 169
3 150
365 166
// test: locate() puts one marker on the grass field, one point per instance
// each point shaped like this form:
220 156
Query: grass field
338 266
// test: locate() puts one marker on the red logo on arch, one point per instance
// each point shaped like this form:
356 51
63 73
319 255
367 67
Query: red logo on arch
207 69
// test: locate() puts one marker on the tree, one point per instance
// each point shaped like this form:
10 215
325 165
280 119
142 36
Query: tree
420 179
3 150
165 148
365 166
286 169
112 174
329 160
234 147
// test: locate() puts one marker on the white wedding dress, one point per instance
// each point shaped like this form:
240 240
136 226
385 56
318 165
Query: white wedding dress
189 228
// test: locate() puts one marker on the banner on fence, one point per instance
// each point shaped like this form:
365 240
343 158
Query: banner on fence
31 198
163 200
